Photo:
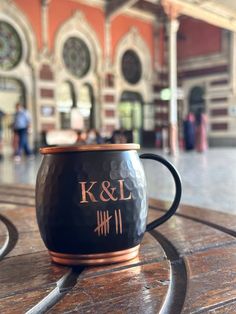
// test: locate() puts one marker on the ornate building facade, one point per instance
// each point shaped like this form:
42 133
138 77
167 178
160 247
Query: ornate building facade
66 57
205 58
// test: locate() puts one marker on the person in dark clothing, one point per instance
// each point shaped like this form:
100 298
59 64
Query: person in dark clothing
189 132
118 137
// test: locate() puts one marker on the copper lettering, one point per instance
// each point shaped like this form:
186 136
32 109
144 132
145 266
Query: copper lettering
106 186
122 194
87 192
107 192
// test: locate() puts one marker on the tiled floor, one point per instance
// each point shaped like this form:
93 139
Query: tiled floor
209 179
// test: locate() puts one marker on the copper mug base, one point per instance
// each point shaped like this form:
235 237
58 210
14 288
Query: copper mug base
95 259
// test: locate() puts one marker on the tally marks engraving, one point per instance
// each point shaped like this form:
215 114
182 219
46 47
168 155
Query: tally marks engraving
103 222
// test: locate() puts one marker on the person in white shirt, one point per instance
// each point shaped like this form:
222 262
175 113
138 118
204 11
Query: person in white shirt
21 125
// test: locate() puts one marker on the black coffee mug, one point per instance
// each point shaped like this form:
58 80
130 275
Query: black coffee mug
91 202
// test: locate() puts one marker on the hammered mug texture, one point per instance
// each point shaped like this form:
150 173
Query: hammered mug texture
91 203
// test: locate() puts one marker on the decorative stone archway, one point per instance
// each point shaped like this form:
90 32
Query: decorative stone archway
134 41
23 71
196 99
134 46
78 27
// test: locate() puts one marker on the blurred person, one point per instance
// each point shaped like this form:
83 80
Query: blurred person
2 114
81 137
91 137
119 137
21 126
94 137
189 131
201 131
99 138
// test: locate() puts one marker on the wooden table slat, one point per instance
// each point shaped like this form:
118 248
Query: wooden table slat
189 236
211 280
139 289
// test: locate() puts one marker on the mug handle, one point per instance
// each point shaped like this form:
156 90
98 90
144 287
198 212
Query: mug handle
178 190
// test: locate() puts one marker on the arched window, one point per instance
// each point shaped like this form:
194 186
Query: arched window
131 67
75 112
76 56
196 99
10 47
65 101
130 114
85 105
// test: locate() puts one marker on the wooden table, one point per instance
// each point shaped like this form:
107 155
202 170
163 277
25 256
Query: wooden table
186 266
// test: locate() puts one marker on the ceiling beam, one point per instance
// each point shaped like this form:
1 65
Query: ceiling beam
115 7
225 18
152 7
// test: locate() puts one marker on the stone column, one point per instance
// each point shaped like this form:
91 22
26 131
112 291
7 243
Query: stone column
172 12
109 106
45 81
173 118
44 22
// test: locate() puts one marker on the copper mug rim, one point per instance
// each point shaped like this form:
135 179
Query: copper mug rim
88 148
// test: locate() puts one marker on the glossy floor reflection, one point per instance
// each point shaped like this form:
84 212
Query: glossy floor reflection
209 179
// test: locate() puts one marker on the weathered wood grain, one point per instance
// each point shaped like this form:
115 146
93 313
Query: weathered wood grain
28 272
24 218
21 303
17 192
7 206
15 199
224 309
207 216
28 243
18 186
135 290
189 236
211 279
3 229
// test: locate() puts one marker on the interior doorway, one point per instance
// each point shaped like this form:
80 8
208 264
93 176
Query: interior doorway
130 111
66 101
196 99
85 104
76 108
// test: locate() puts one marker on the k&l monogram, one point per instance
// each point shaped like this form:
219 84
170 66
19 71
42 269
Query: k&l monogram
108 192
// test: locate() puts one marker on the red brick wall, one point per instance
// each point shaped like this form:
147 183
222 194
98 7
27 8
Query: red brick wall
122 24
32 11
61 10
160 53
196 38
